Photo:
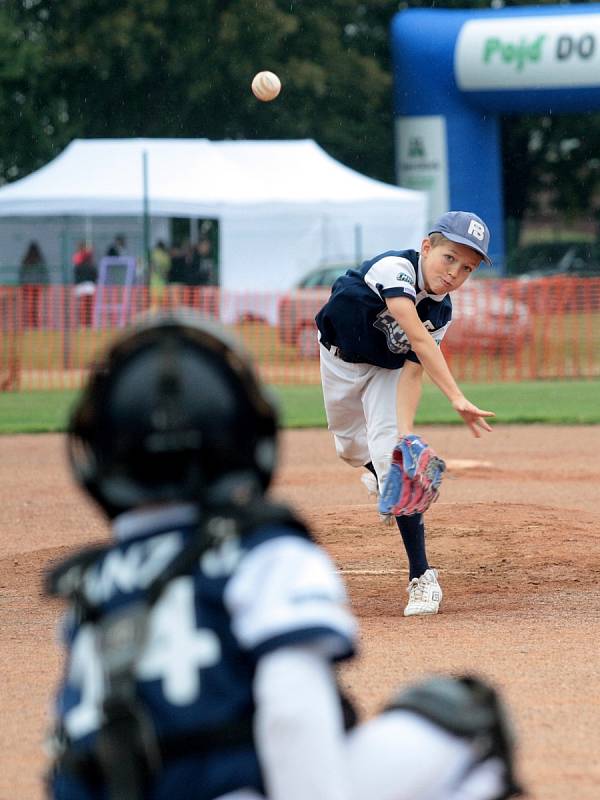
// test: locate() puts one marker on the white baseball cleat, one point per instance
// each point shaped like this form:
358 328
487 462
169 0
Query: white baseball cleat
369 481
424 594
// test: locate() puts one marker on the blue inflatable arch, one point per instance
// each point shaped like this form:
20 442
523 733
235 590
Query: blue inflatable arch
456 72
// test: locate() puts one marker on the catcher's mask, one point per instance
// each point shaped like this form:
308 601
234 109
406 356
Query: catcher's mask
174 412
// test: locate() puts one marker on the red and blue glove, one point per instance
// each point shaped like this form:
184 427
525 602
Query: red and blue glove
413 480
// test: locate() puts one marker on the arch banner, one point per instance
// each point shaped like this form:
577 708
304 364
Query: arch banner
455 73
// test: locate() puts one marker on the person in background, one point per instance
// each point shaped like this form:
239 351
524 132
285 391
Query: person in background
160 264
85 277
33 276
202 267
201 275
180 258
118 247
177 290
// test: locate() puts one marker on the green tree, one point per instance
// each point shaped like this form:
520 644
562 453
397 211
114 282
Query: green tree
118 68
551 163
108 68
32 118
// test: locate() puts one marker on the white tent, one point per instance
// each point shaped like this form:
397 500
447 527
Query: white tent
282 206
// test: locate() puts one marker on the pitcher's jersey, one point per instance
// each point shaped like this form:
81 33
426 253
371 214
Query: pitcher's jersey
356 318
270 588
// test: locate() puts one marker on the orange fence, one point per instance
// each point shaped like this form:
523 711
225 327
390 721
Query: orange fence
503 330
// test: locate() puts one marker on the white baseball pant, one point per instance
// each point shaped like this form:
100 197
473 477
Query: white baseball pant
360 404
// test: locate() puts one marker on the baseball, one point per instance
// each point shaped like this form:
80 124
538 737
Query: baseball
266 86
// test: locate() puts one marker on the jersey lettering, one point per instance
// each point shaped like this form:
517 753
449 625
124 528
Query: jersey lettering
175 653
85 674
222 560
133 569
396 338
177 649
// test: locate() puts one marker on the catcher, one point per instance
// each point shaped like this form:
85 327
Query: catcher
379 331
201 639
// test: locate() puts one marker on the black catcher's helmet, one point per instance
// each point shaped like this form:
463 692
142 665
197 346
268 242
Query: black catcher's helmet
174 412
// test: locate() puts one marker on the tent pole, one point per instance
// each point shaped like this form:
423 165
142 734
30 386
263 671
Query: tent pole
358 244
324 239
67 290
146 220
89 230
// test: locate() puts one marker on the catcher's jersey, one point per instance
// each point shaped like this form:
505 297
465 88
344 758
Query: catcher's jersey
356 318
272 587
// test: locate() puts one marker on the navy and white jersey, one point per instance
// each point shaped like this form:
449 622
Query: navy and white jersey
356 318
270 588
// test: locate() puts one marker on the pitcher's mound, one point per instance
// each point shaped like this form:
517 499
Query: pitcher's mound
468 463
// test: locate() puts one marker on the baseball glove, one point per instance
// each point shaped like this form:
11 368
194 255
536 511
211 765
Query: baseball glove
413 480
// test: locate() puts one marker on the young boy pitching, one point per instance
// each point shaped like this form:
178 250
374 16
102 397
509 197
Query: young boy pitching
379 331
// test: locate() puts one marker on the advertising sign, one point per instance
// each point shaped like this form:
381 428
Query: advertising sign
529 52
422 159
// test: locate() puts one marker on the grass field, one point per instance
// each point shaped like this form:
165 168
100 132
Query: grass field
569 401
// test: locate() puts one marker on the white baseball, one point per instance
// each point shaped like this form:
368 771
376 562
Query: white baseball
266 86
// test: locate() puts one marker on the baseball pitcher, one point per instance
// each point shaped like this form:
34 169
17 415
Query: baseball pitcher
379 332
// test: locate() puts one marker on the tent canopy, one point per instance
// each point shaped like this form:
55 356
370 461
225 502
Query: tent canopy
190 176
283 206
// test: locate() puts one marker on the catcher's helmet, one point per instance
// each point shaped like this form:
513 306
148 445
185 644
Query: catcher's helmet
174 412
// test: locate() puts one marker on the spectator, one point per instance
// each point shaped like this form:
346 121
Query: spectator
202 267
203 272
33 276
160 260
85 276
160 264
118 247
180 256
193 266
179 260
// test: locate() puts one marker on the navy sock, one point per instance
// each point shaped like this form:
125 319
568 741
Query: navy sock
412 530
371 468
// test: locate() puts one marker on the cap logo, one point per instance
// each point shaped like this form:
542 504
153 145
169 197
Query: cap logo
476 229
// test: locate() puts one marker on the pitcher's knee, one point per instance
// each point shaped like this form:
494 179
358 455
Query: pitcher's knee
349 453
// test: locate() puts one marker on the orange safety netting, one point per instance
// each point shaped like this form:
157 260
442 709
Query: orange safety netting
503 330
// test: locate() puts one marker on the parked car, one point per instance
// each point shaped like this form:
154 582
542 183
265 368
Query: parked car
561 285
542 259
297 310
486 317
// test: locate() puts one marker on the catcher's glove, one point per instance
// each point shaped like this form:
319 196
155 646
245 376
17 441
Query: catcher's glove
413 480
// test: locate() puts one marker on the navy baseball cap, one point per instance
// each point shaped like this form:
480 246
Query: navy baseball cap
464 227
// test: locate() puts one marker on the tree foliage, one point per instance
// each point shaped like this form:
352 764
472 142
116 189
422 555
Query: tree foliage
109 68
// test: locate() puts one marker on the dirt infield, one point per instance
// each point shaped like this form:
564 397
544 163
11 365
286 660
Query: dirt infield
516 536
